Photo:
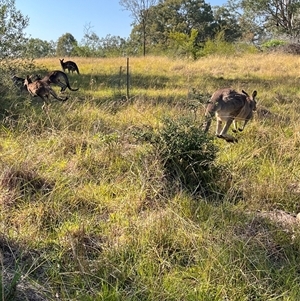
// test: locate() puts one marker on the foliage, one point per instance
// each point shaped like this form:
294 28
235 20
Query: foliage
140 11
293 48
277 17
227 22
187 44
177 27
12 24
217 47
221 47
171 27
180 17
65 45
12 45
37 48
93 46
272 44
187 23
188 154
90 46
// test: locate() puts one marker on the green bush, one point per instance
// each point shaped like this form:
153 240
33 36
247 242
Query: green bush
220 47
272 44
188 154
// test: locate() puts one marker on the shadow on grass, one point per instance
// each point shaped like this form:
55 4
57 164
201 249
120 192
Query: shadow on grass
14 278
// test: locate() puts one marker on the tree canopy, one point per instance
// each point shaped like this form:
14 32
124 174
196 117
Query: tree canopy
161 26
275 16
38 48
140 10
12 24
66 45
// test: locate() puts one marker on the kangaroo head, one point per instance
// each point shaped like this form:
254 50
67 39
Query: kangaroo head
27 80
251 99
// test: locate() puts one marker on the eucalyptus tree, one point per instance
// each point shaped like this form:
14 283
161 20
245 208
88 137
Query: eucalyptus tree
12 39
273 16
12 25
186 22
183 16
227 21
140 12
38 48
66 45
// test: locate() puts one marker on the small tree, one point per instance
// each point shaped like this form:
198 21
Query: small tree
276 16
140 12
12 39
188 154
66 45
12 24
38 48
187 43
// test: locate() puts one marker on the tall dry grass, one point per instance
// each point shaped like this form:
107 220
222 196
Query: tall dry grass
87 212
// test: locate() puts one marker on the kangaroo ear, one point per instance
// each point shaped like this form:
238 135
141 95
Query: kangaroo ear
254 94
244 92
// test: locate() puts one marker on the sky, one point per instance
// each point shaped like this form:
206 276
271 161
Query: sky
49 20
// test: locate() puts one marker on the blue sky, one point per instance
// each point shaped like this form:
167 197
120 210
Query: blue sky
49 20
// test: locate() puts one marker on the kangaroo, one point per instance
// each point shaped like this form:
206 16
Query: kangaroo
229 106
41 89
71 66
55 77
19 82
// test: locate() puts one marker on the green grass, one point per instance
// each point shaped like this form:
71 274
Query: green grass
90 212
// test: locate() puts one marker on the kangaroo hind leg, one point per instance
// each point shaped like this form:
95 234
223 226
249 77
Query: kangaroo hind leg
223 134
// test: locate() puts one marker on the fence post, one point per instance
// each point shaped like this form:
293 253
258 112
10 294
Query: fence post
127 79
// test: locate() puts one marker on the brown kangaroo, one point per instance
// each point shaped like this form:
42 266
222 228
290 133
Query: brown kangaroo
41 89
71 66
229 106
59 78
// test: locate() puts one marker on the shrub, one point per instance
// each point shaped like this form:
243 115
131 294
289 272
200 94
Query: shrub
220 47
272 44
188 154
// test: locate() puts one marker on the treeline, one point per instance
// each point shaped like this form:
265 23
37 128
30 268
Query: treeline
185 27
190 28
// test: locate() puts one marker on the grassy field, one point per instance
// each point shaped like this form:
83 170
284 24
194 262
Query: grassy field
89 211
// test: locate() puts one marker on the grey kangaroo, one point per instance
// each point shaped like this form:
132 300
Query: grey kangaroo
71 66
41 89
229 107
59 78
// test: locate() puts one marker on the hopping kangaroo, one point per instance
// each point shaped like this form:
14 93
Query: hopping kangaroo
71 66
59 78
229 106
41 89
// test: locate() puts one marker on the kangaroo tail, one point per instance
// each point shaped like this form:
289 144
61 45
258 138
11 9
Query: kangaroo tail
58 98
72 89
62 99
